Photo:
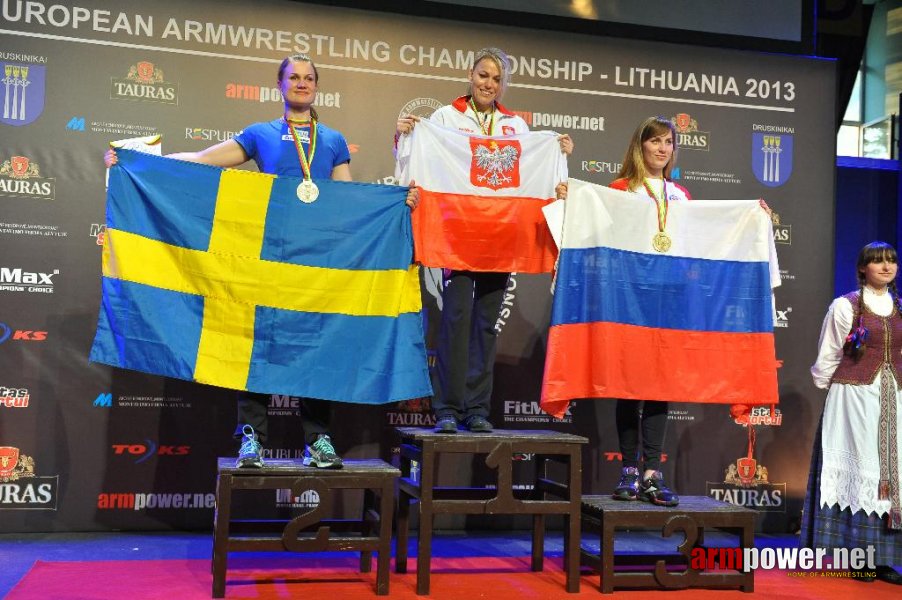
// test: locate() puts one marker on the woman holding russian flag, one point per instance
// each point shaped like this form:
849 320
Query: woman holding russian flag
472 299
646 171
853 497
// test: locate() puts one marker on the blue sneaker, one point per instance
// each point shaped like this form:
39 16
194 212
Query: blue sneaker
249 453
321 454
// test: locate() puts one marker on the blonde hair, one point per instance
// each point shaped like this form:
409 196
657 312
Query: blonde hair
633 169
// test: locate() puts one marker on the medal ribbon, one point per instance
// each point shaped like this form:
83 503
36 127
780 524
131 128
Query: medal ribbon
302 156
660 203
481 120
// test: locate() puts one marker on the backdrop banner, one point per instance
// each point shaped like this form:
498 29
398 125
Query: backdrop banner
91 447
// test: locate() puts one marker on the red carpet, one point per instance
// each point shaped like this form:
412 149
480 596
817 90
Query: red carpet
338 579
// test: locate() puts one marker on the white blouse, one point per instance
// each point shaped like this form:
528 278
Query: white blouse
850 463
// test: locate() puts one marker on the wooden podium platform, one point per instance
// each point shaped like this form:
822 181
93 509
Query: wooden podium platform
604 516
547 498
312 531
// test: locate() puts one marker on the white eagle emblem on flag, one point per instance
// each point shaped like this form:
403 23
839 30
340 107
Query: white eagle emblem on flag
495 163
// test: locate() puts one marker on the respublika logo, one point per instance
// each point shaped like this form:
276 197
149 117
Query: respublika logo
149 449
144 82
21 178
688 135
15 279
602 166
203 134
20 335
14 397
20 488
772 154
23 86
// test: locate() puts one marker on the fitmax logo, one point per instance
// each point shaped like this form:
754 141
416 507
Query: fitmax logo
8 275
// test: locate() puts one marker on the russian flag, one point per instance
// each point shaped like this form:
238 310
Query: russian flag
481 198
693 324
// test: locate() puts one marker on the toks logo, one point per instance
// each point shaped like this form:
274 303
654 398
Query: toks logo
688 135
144 82
495 163
21 488
14 397
24 335
21 178
142 452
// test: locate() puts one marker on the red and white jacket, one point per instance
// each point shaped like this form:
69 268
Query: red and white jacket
459 115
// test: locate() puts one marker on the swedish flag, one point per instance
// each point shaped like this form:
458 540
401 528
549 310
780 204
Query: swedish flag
225 278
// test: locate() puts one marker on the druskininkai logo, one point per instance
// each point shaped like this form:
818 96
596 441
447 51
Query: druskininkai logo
772 158
22 87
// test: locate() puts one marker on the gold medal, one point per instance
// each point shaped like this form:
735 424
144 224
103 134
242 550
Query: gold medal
308 192
661 242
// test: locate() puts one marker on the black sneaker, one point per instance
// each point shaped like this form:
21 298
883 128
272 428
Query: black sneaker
321 454
478 424
653 490
249 453
446 424
628 488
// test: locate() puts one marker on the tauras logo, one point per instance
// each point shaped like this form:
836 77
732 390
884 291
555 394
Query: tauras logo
20 177
144 82
20 488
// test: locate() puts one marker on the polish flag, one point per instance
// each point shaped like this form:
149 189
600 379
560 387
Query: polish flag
481 198
693 324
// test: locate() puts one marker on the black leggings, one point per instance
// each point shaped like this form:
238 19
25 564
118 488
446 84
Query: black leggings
653 421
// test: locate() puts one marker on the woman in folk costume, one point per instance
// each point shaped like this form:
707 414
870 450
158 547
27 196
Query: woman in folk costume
472 300
853 486
646 170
